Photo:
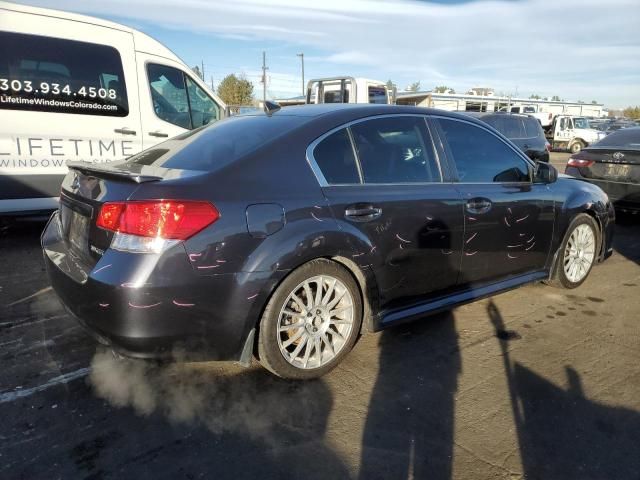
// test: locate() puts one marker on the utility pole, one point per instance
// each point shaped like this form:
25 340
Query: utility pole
212 87
202 65
264 77
301 55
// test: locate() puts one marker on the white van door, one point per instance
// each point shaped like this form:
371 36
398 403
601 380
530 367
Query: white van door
172 100
68 91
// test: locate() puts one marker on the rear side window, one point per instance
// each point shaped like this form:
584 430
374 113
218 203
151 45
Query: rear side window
220 144
480 156
177 99
334 156
532 128
48 74
513 127
395 150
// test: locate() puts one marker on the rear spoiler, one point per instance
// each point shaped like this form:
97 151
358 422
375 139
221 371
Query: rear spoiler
105 170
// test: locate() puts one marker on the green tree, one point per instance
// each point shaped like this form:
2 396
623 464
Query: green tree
595 102
391 85
535 96
235 90
556 98
632 112
443 89
414 87
197 71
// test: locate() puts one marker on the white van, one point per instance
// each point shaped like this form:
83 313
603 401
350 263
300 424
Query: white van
79 88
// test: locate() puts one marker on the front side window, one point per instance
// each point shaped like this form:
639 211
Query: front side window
480 156
179 100
48 74
334 156
395 150
169 95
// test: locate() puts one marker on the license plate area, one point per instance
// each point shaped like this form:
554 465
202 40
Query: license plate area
75 221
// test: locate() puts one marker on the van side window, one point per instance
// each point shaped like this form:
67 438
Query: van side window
47 74
179 100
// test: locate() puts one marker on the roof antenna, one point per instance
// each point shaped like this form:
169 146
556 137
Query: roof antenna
270 107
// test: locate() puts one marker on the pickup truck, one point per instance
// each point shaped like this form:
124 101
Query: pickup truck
545 118
572 133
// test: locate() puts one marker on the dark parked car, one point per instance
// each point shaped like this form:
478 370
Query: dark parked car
524 131
613 164
287 235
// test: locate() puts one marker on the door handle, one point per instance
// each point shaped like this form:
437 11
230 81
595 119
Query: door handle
125 131
158 134
362 213
478 205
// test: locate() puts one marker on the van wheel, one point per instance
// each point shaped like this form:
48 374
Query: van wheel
577 253
577 146
311 321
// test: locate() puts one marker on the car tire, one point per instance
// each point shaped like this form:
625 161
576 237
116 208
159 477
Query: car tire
576 147
323 329
577 253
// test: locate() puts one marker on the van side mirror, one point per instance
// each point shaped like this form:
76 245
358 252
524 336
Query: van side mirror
545 173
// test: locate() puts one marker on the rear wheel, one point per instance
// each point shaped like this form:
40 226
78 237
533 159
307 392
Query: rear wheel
577 146
311 322
577 253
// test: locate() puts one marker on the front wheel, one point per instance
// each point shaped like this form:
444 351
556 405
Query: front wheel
576 146
577 253
311 322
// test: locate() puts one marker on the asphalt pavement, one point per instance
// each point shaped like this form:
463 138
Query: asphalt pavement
537 383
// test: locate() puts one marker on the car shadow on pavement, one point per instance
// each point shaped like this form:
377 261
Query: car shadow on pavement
561 433
409 427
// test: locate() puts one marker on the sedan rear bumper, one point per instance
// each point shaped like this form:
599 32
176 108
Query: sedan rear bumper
625 196
155 306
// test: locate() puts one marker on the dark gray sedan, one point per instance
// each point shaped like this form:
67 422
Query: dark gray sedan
288 234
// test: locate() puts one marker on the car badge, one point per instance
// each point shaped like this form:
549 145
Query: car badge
618 156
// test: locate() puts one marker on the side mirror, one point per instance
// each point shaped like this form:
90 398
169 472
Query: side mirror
545 173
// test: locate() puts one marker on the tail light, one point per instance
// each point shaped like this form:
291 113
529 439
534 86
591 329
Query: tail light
579 162
152 226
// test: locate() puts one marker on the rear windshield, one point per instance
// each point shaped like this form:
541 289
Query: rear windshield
219 144
625 138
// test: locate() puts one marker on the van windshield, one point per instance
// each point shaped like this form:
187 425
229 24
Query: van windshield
580 122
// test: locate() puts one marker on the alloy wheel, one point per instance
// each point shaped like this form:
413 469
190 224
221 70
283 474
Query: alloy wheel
315 322
579 253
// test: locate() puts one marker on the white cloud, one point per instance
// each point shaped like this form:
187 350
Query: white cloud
578 49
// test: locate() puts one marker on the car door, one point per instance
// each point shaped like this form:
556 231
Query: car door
172 101
508 218
384 184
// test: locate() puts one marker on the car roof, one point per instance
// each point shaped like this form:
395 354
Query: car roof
352 111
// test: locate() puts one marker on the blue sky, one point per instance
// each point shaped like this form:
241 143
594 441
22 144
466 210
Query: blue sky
577 49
